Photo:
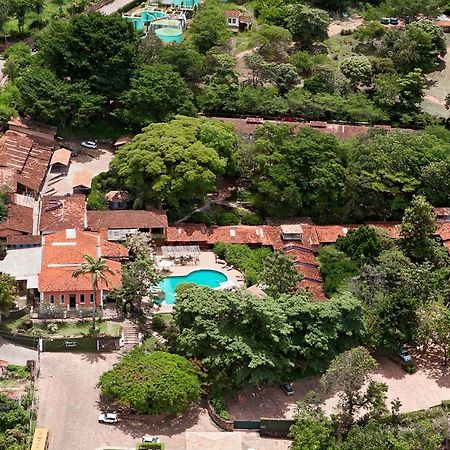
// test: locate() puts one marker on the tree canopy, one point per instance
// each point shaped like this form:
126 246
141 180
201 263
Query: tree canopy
152 383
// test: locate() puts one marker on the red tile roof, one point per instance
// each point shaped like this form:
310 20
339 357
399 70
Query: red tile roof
61 156
232 13
61 212
62 254
26 239
340 131
28 157
8 179
83 179
117 219
20 218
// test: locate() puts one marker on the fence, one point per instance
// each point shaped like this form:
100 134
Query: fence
275 427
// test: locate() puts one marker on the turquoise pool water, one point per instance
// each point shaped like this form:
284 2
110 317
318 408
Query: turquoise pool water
210 278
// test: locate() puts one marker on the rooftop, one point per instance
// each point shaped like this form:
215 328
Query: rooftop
61 156
20 219
61 212
27 157
126 219
232 12
82 179
63 252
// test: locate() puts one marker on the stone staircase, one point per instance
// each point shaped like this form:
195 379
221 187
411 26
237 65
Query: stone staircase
130 335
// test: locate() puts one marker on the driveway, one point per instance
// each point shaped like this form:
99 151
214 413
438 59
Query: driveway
423 389
15 354
91 162
114 6
69 407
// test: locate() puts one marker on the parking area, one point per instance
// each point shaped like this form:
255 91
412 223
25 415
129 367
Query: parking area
16 354
69 407
423 389
84 165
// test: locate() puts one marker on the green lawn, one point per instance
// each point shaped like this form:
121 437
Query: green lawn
11 324
340 47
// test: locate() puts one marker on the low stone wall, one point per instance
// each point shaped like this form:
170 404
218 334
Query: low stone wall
226 425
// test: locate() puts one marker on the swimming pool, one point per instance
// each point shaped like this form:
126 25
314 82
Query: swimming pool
210 278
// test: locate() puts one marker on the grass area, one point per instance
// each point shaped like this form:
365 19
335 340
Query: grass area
64 329
12 324
101 129
149 344
340 47
246 40
50 9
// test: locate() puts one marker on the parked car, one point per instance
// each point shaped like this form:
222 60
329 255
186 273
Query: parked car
385 21
393 20
151 439
288 388
89 144
108 418
405 356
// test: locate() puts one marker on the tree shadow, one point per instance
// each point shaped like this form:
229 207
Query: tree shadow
137 425
431 362
389 368
93 358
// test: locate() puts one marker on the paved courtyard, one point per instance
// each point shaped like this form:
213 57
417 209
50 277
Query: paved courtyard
69 407
16 354
423 389
89 161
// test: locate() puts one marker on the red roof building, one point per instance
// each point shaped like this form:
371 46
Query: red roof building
62 253
59 213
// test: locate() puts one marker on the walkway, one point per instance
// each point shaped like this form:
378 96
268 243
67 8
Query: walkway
114 6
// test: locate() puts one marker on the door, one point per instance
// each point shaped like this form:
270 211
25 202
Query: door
72 300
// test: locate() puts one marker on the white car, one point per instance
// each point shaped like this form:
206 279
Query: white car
151 439
405 356
108 418
89 144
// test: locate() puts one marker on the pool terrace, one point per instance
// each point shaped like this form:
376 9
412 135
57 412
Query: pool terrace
206 261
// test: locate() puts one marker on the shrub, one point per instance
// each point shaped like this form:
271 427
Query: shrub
410 368
227 218
15 371
200 217
150 445
220 407
52 327
251 219
158 323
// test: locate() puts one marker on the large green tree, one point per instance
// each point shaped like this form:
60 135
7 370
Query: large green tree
154 383
209 27
156 93
170 163
307 25
347 375
7 293
97 49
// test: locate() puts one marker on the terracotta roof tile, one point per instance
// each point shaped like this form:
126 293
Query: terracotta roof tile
232 13
62 254
61 212
20 218
125 218
26 239
61 156
83 179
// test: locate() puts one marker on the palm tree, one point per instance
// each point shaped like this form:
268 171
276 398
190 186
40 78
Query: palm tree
96 268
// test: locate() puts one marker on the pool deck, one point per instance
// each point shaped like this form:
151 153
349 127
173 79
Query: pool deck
207 261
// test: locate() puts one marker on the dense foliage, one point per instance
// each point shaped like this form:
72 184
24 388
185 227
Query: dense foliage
240 338
13 424
153 383
170 163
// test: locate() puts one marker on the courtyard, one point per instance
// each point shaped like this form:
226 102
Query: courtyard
69 405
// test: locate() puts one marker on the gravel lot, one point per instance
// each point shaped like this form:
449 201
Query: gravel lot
423 389
69 407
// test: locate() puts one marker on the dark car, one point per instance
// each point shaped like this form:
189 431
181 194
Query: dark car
393 20
288 388
385 21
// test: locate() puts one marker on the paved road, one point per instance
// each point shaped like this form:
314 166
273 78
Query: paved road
15 354
69 407
114 6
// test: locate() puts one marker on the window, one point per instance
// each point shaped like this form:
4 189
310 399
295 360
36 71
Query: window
81 298
61 298
52 298
92 298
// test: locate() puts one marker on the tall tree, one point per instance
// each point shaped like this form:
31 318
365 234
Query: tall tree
97 49
279 274
347 375
418 226
97 269
7 293
307 25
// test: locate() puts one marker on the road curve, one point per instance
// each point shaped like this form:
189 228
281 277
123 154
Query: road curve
113 7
